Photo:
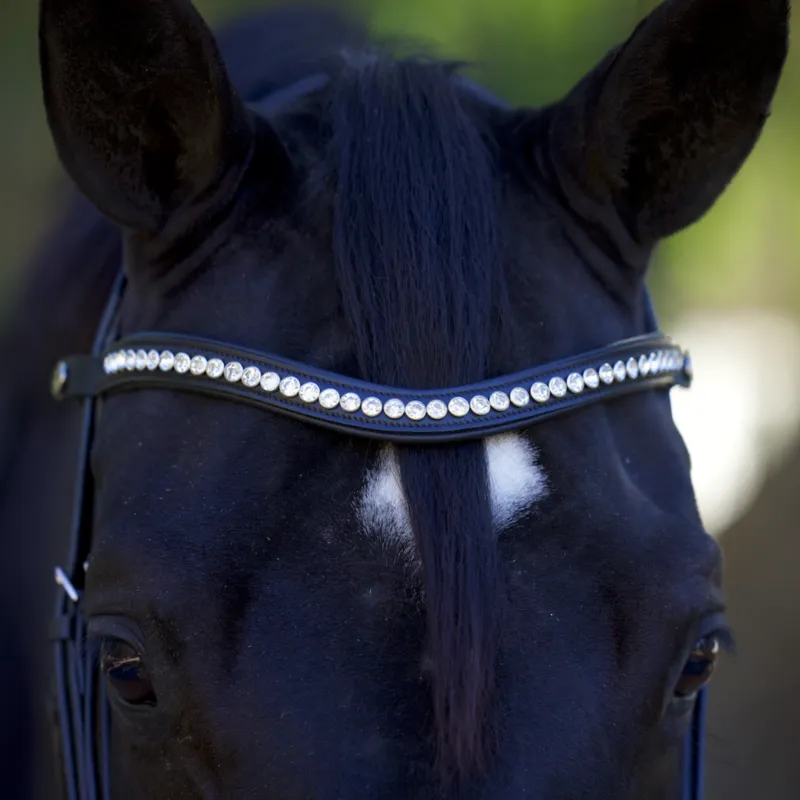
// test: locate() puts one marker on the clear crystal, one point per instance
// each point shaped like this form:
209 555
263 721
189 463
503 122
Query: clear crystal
575 382
415 410
130 360
251 376
350 402
270 381
606 374
371 407
198 364
141 360
499 401
329 398
233 371
590 378
214 368
107 365
644 365
620 373
394 408
653 362
540 392
519 397
558 386
309 392
437 409
290 386
166 361
152 360
458 407
182 362
632 368
480 405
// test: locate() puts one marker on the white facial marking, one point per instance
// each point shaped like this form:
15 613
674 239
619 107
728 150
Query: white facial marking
516 482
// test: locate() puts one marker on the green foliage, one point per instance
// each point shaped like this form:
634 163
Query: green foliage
744 252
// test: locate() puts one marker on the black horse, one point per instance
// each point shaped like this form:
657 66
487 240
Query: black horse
285 612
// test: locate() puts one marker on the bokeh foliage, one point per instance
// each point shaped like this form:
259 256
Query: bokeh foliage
744 253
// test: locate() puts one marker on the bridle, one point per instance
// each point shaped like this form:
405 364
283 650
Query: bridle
342 404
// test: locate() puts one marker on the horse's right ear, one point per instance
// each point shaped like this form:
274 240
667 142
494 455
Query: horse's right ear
142 112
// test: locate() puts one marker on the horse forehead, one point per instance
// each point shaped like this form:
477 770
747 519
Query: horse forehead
516 482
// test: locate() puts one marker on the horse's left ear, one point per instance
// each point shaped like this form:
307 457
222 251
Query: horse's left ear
664 123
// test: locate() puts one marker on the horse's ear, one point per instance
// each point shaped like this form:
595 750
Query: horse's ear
664 123
143 115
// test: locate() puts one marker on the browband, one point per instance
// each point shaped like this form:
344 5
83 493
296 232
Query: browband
358 408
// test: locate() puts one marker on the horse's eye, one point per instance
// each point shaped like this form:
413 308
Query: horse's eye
126 673
699 667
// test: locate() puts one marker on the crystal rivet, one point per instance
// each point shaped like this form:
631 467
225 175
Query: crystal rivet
590 378
632 368
394 408
480 405
166 360
575 382
182 362
198 364
215 367
350 402
130 360
540 392
270 381
329 398
519 397
644 365
499 401
458 407
415 410
251 376
290 386
309 392
152 360
436 409
233 371
371 407
141 360
558 387
606 374
620 373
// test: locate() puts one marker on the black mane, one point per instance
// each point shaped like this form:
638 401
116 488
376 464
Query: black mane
415 247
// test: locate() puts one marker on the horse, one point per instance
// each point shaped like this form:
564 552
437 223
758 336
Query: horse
283 590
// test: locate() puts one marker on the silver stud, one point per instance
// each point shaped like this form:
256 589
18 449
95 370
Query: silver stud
644 365
250 377
540 392
590 378
394 408
499 401
620 373
198 364
480 405
166 360
558 387
309 392
152 360
233 371
519 397
632 368
436 409
270 381
371 407
350 402
290 386
182 362
215 367
141 360
606 374
329 398
458 407
415 410
575 382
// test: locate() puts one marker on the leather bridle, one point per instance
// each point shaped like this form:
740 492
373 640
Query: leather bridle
347 406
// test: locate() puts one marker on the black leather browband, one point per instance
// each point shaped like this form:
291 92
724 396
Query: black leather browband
358 408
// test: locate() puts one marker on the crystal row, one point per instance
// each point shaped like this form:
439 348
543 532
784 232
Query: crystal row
557 387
